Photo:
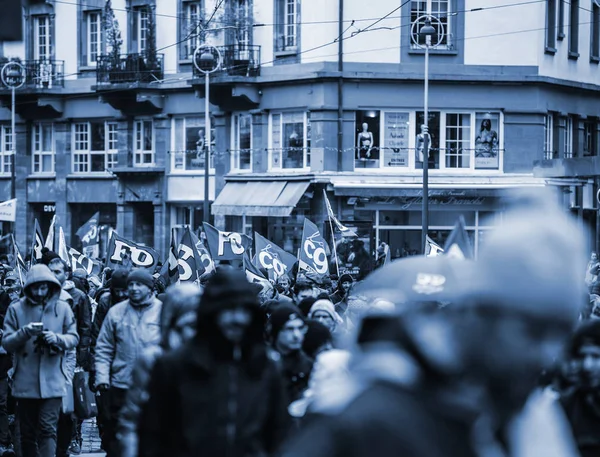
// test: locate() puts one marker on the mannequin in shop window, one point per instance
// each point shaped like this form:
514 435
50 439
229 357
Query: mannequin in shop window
486 142
200 147
364 142
420 145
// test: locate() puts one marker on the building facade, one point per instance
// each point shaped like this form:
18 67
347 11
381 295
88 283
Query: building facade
311 96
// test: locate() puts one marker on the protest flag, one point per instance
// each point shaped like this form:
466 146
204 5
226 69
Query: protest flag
123 253
458 244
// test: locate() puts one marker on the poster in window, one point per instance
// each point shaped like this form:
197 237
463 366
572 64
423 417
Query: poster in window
395 152
195 146
487 142
367 139
434 139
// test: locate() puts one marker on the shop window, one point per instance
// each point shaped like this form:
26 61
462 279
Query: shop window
43 148
241 154
442 10
290 140
458 141
189 145
396 139
487 141
368 124
6 149
434 140
94 146
143 143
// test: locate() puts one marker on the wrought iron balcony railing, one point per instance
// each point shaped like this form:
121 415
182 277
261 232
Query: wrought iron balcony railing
42 74
129 68
238 60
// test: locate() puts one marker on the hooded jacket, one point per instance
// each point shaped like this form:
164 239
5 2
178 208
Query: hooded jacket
40 374
339 294
126 332
209 398
80 305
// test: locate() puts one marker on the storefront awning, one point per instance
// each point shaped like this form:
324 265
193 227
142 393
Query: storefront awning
259 198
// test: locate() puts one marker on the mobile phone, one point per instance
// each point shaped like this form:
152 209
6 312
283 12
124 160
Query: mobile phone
38 325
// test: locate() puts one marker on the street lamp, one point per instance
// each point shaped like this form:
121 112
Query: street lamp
13 76
207 60
427 31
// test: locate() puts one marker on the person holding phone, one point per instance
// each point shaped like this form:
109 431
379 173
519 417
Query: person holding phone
40 330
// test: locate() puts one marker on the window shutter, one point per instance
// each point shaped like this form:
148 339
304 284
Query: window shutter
134 30
83 40
51 19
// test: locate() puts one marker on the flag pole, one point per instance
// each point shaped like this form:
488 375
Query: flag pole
335 256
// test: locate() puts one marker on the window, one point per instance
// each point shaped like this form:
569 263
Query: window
189 145
287 25
595 34
561 19
245 25
43 148
551 26
568 149
94 146
458 141
590 137
143 24
574 29
143 144
6 149
192 28
290 140
42 49
241 155
94 36
442 10
186 216
549 137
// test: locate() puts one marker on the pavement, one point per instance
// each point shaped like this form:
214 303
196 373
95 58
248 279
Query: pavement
91 440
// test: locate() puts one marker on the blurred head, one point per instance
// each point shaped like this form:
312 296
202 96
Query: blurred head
59 268
283 283
303 289
39 291
317 339
118 286
584 349
594 257
179 315
345 283
140 286
288 328
324 312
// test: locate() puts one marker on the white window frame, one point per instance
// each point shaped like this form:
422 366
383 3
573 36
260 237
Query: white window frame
6 150
235 141
290 26
42 32
306 152
94 29
549 136
192 19
436 12
139 131
442 141
471 141
86 152
569 126
174 150
38 152
142 25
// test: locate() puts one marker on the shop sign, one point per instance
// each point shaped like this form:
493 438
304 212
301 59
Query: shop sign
408 203
49 208
396 139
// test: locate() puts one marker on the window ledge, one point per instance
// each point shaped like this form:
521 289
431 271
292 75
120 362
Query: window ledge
550 50
286 53
573 55
91 175
595 59
87 68
561 36
42 176
441 52
183 173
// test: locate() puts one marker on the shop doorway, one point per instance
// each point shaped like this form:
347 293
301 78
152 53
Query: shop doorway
143 230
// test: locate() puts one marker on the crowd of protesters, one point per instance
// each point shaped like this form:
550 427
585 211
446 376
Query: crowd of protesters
426 357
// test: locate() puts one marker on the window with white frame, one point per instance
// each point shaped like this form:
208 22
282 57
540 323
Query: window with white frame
143 143
189 145
42 49
458 140
548 136
94 36
183 217
590 137
192 29
6 149
442 10
94 146
241 154
43 148
290 140
287 25
568 148
143 23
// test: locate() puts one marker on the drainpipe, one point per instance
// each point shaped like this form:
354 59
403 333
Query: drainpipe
340 85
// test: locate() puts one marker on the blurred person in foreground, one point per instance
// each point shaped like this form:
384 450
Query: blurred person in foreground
438 390
219 394
178 326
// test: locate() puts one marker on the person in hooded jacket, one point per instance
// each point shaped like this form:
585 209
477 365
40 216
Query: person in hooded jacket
220 394
177 326
39 330
339 297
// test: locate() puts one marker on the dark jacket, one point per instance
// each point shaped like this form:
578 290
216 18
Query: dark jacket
80 305
210 399
584 416
105 302
296 368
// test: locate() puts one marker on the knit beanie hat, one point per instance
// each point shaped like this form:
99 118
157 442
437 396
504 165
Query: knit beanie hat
142 276
118 280
589 333
327 307
48 256
281 316
80 273
316 336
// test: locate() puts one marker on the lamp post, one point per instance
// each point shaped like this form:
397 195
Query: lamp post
13 76
426 31
207 60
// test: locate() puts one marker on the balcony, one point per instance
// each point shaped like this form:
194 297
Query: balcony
238 60
129 68
42 74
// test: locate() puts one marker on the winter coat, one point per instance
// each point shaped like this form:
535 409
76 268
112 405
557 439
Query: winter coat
105 302
126 331
80 306
295 369
39 373
584 418
210 399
